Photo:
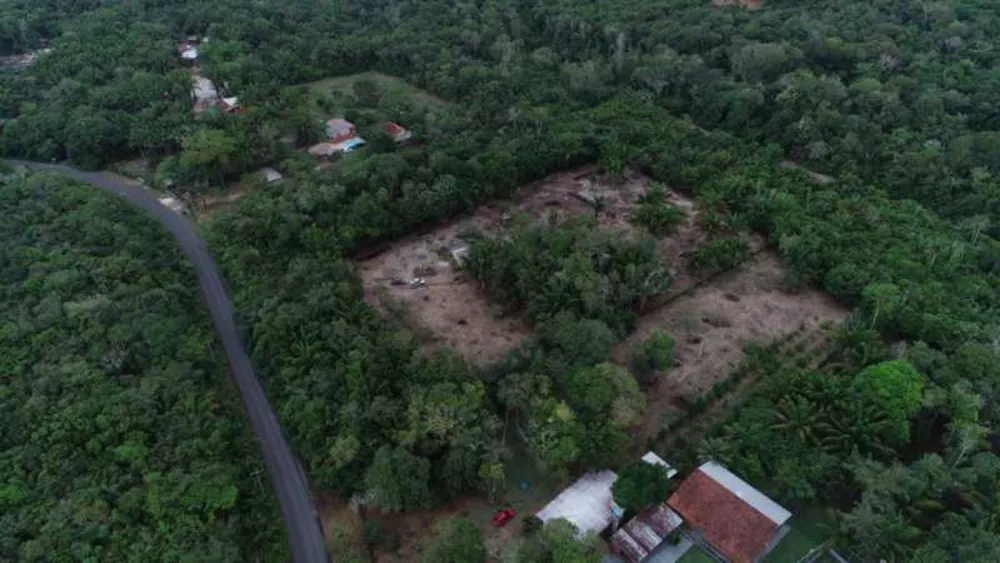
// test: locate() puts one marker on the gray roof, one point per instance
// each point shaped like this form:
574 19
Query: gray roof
774 512
586 503
654 459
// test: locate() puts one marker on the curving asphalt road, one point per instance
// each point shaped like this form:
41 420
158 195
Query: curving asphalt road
305 537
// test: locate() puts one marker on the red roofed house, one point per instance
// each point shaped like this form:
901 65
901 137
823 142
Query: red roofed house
339 130
736 520
398 133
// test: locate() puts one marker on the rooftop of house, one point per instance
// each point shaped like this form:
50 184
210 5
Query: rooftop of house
586 503
350 144
644 533
339 129
393 129
733 516
270 174
339 124
653 459
203 89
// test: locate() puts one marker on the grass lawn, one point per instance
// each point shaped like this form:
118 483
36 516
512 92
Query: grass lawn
695 555
384 82
809 529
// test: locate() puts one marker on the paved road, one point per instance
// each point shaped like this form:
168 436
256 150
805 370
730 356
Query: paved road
305 537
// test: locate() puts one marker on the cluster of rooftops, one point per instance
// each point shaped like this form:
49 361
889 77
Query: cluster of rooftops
713 508
342 136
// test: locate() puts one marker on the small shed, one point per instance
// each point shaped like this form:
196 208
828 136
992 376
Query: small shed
643 534
398 133
270 175
653 459
350 144
203 90
586 503
230 104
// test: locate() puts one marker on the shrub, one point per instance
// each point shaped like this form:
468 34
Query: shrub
655 214
656 353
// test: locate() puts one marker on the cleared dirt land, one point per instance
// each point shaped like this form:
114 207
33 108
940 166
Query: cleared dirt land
712 324
448 309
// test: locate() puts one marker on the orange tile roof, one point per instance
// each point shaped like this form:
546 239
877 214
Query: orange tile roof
392 128
735 528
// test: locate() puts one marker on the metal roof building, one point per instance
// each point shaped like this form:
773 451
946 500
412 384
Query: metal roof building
586 503
734 518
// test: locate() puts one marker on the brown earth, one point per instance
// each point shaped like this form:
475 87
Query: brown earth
712 324
208 204
448 309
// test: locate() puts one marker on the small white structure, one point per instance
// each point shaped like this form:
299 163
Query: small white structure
653 459
172 203
460 254
190 54
270 175
351 144
230 104
203 91
586 503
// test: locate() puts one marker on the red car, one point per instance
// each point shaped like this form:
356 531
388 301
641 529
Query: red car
503 516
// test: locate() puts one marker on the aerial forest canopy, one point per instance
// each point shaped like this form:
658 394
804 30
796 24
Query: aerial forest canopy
859 139
122 436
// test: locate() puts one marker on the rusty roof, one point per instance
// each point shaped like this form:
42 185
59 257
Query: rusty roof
644 533
735 528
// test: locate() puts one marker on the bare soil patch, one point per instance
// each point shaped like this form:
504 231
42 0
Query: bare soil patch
417 278
712 324
445 309
208 204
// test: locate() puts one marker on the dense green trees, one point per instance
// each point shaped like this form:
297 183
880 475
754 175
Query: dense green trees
460 542
894 388
573 267
122 437
897 100
556 541
654 354
655 214
641 485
